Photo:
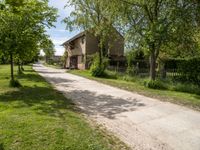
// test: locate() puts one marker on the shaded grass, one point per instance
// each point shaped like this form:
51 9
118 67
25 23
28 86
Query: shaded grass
137 85
36 116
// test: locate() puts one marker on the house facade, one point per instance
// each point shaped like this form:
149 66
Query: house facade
85 44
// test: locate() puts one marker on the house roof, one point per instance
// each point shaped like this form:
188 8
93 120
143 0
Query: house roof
83 34
74 38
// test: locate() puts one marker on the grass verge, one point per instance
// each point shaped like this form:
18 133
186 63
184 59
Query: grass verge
135 85
37 117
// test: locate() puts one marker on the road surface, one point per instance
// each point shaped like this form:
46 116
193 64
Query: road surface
142 123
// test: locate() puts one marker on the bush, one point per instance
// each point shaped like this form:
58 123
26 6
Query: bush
110 74
186 87
157 84
14 83
131 70
129 78
188 69
97 69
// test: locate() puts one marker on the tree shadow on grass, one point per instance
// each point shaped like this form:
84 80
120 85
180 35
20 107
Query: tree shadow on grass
42 100
30 77
47 101
29 70
1 146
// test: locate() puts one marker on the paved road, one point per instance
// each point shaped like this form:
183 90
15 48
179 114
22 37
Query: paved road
141 122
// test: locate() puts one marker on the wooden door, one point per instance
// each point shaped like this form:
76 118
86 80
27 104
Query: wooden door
74 62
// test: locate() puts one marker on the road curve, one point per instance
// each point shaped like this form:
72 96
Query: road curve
141 122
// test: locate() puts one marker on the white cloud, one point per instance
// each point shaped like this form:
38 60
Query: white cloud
59 40
59 51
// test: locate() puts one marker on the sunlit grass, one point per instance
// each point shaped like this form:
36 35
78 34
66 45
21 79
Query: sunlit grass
37 117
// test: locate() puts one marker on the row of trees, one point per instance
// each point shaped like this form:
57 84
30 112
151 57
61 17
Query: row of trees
159 28
22 29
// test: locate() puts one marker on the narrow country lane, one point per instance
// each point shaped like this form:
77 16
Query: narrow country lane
141 122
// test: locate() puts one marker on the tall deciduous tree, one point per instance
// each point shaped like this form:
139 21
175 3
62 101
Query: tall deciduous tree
92 16
48 48
22 27
153 25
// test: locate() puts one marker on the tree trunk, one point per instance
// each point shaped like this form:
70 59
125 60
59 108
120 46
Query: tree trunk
11 67
100 51
19 68
152 66
21 65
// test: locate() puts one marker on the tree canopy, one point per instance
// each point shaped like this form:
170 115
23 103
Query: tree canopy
159 28
22 28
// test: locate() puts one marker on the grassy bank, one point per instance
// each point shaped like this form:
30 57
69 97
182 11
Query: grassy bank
137 85
37 117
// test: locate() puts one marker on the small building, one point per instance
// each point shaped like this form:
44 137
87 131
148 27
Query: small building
85 44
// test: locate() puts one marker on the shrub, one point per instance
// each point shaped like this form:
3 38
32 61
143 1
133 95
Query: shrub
129 78
111 74
131 70
14 83
157 84
188 69
186 87
97 69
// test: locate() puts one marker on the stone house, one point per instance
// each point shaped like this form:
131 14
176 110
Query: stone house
85 44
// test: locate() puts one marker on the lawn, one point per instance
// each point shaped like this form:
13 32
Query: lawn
186 99
37 117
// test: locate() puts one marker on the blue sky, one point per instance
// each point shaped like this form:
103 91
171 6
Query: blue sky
59 35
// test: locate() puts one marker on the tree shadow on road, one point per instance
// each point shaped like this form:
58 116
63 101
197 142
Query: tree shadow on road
103 105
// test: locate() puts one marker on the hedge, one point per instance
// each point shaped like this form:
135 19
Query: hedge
189 69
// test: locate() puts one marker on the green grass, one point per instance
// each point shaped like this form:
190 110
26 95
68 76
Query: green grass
37 117
136 85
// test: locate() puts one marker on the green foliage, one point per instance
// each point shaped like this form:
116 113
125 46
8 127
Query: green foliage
97 68
64 59
188 69
93 16
159 28
22 28
14 83
48 48
130 67
128 78
157 84
130 70
186 87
